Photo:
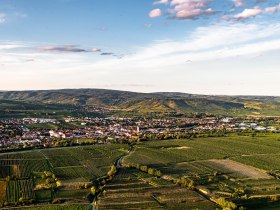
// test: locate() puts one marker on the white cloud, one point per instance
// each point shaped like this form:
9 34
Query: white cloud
8 46
216 51
2 18
216 42
198 3
190 9
205 43
246 13
270 10
238 3
155 13
161 2
195 9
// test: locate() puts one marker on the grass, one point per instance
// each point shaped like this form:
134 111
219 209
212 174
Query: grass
43 195
77 193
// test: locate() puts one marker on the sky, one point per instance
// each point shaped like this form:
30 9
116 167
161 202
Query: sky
229 47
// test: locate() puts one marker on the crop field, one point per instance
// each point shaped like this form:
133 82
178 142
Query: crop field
28 175
162 153
70 193
225 166
20 189
59 207
134 189
240 169
263 161
3 188
16 168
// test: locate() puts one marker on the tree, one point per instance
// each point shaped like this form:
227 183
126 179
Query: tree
58 183
227 205
93 190
151 171
144 168
191 184
112 171
158 173
21 200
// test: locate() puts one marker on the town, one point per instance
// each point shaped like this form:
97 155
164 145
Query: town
16 134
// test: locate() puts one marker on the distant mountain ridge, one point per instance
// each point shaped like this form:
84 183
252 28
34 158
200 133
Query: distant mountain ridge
151 102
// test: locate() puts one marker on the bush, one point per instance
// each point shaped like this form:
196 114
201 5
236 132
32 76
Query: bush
226 205
151 171
144 168
57 201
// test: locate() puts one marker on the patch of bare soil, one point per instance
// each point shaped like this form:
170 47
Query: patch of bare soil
180 148
243 169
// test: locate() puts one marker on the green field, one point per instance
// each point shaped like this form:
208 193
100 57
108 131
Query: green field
194 174
235 168
134 189
44 175
59 207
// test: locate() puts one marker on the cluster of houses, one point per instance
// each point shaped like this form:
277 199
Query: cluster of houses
25 121
14 132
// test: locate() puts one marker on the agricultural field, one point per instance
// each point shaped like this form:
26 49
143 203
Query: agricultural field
60 207
200 173
132 189
45 175
236 168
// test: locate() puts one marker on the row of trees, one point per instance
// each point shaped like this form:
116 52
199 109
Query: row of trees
50 181
146 169
96 187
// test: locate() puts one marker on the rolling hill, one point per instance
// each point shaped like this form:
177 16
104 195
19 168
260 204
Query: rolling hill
125 101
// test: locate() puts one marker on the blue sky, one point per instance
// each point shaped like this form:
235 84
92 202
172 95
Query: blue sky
196 46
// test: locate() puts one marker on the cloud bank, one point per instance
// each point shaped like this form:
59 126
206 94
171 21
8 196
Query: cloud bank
195 9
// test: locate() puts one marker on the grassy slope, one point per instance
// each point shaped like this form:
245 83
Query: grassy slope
71 100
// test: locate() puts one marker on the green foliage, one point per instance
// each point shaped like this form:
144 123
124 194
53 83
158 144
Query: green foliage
112 171
151 171
226 205
57 201
144 168
93 190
